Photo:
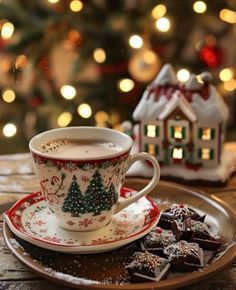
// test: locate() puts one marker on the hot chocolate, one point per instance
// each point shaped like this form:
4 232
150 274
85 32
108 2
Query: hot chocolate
72 148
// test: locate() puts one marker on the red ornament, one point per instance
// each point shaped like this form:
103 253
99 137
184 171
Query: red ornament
211 55
159 230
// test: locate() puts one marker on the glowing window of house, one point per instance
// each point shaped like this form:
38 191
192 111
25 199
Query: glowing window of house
178 153
178 134
152 149
206 134
205 154
151 130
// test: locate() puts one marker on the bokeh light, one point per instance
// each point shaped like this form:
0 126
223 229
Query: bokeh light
183 75
64 119
99 55
226 74
53 1
101 117
9 130
21 61
163 24
158 11
126 85
136 41
228 15
8 95
199 7
76 5
68 92
7 30
230 85
84 110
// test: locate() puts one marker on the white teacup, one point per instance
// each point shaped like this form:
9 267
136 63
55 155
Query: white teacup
81 171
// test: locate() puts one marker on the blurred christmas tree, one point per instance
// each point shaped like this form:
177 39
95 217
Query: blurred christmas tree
73 62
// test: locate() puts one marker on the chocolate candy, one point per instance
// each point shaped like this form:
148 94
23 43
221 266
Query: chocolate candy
197 232
184 256
147 266
157 240
178 212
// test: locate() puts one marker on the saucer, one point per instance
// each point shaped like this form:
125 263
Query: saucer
31 220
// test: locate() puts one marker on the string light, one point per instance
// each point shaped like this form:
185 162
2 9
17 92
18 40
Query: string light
8 96
84 110
64 119
101 117
163 24
68 92
158 11
9 130
7 30
228 15
230 85
183 75
53 1
136 41
199 7
126 85
99 55
226 74
76 5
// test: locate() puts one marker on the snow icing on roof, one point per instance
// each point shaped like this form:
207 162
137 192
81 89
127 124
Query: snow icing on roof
166 76
212 110
178 100
152 106
192 84
148 107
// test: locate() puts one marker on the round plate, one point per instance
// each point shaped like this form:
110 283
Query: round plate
31 220
106 270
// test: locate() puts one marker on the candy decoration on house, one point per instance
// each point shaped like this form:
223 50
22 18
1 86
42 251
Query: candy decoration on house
183 125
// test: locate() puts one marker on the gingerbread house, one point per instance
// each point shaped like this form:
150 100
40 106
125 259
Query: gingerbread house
182 124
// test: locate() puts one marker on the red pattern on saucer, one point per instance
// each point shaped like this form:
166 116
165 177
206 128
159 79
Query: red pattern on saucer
31 220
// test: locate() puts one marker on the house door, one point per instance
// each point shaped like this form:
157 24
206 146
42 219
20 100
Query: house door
177 154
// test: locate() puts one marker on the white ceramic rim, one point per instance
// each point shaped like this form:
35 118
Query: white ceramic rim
89 133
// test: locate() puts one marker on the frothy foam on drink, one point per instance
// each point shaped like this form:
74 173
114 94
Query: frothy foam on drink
73 148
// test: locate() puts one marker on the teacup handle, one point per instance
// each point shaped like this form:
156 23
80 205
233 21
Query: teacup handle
124 202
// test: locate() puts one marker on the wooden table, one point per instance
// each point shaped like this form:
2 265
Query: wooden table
17 178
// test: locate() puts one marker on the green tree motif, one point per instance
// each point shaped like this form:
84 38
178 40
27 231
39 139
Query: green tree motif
96 197
74 202
112 195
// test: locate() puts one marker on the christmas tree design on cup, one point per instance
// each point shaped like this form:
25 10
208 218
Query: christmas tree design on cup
96 198
74 202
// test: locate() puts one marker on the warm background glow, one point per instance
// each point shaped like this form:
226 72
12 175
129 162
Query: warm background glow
87 63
